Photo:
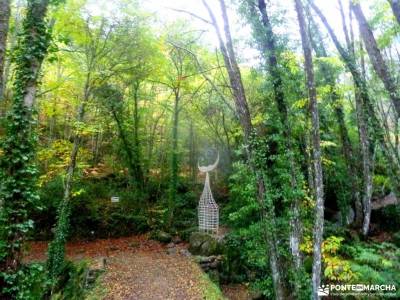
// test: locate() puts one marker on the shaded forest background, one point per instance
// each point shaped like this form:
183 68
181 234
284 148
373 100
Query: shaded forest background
122 104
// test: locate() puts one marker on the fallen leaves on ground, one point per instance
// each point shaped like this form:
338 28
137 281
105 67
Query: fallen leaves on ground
236 292
137 268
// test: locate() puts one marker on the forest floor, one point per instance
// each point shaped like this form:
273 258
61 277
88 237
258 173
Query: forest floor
143 269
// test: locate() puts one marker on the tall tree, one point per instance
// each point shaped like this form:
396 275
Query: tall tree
18 172
95 54
270 51
347 148
376 57
4 22
136 142
177 82
370 129
395 4
56 252
172 193
243 113
316 150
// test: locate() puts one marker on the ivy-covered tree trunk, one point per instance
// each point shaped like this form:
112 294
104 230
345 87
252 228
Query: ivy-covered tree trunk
113 100
4 22
56 252
372 121
319 188
395 4
347 148
243 113
376 57
127 148
18 172
268 44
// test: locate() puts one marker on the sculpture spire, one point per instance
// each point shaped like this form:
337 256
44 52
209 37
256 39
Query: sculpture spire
208 208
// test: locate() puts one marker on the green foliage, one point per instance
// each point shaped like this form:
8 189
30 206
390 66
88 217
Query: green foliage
210 290
92 215
374 263
244 248
56 251
242 209
336 268
17 169
145 85
389 218
71 282
27 283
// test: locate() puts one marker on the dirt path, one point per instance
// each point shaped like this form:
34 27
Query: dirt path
138 268
152 276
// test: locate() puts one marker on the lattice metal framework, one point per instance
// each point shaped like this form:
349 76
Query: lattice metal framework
208 209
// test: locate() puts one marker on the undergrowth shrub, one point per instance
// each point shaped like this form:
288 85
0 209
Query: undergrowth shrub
92 213
245 258
28 283
374 263
71 283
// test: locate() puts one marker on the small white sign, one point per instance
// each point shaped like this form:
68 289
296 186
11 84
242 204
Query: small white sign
114 199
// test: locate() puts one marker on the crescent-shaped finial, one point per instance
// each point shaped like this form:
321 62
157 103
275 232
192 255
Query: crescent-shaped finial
209 168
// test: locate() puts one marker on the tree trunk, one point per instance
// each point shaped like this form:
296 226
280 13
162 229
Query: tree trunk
4 23
127 149
242 109
347 148
17 162
136 149
56 254
366 161
375 57
174 160
270 51
319 188
369 111
192 153
395 4
39 10
228 143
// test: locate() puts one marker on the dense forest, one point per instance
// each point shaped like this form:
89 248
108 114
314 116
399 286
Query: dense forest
111 113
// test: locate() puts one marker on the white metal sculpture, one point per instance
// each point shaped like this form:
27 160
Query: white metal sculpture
208 208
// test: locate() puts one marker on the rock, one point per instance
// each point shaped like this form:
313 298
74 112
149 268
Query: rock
202 244
185 234
170 245
209 247
200 259
176 240
185 252
208 262
161 236
171 251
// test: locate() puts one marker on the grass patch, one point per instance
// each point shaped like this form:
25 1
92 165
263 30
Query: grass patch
210 290
98 292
